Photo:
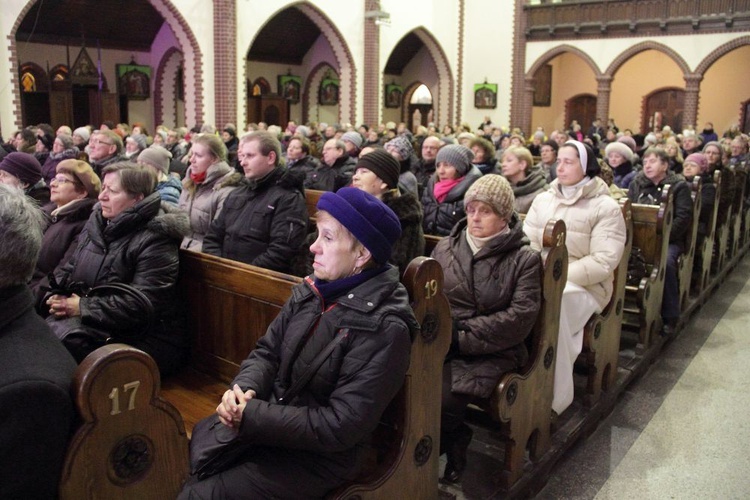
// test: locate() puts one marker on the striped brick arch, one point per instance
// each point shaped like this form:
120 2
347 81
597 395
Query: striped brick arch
165 88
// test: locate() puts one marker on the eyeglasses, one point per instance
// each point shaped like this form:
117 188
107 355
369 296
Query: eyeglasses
94 143
60 180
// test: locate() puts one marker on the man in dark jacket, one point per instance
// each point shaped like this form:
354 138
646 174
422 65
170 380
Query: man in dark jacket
35 407
105 148
336 169
646 189
264 221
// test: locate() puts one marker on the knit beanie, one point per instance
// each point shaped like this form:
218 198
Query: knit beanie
162 134
699 159
629 142
619 148
303 131
367 218
85 175
157 157
354 138
401 145
717 144
66 141
83 133
47 138
494 190
383 164
23 166
458 156
139 139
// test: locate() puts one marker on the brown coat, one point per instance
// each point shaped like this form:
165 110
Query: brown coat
494 297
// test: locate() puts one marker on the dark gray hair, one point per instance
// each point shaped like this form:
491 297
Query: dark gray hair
21 223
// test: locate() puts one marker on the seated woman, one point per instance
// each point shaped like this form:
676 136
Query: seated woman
484 155
62 149
646 189
131 238
23 171
298 156
694 165
443 198
401 149
73 191
619 156
168 186
526 180
595 240
207 183
314 443
492 283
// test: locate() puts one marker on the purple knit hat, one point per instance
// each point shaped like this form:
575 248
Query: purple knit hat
699 159
24 166
367 218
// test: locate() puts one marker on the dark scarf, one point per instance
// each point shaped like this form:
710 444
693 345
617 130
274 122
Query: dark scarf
332 290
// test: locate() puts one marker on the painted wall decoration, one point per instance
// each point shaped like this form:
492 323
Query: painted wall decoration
328 94
485 95
134 81
289 87
393 95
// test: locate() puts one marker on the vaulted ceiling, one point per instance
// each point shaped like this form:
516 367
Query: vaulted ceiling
114 24
403 53
285 39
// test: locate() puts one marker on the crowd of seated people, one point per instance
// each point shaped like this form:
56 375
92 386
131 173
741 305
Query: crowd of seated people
118 204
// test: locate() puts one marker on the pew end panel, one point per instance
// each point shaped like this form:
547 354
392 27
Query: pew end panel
705 253
408 439
651 228
735 236
311 200
131 443
522 401
601 335
685 261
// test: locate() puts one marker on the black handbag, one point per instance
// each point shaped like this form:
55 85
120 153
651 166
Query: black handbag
215 447
80 339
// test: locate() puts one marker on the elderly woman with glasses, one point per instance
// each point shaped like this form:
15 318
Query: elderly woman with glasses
73 194
132 239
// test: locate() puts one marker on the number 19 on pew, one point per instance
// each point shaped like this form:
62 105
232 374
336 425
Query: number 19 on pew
430 289
130 389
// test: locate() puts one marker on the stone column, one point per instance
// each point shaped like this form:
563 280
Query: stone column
225 64
603 93
692 89
521 101
371 68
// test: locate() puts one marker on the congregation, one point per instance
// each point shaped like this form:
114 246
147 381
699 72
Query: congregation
118 204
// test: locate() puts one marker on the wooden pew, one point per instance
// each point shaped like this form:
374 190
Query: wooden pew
737 212
231 305
601 335
700 283
685 261
311 200
522 401
130 442
651 228
721 237
430 242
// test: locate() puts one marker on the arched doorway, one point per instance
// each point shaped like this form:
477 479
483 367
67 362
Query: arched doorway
34 94
581 108
663 107
420 110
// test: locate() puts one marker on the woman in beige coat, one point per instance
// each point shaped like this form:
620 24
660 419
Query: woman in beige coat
595 241
208 182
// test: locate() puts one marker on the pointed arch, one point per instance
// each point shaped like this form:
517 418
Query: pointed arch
194 87
443 99
559 50
643 46
310 93
719 52
165 87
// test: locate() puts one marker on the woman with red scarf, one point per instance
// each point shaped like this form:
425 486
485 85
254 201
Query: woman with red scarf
443 198
207 183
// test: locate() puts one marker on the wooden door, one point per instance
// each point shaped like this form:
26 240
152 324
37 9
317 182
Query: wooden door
581 108
663 107
60 108
103 106
272 109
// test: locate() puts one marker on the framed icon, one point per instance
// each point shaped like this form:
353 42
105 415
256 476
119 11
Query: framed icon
289 87
393 95
485 95
328 94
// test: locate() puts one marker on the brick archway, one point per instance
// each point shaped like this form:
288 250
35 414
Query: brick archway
559 50
641 47
720 52
165 86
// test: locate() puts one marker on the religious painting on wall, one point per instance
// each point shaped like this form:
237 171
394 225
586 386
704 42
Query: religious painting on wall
485 95
328 93
134 81
289 87
393 95
543 86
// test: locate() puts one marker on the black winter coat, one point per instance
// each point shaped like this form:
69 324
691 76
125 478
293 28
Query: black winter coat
60 238
331 178
439 218
708 200
262 223
411 243
139 247
642 190
35 405
494 297
320 432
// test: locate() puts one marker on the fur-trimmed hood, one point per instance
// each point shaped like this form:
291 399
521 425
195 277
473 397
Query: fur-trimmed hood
406 207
